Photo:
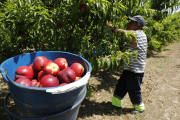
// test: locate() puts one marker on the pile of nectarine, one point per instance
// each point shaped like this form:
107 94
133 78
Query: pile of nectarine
47 73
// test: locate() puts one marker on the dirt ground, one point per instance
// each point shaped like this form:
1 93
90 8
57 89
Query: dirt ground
160 91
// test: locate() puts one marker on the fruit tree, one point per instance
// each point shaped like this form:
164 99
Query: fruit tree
73 26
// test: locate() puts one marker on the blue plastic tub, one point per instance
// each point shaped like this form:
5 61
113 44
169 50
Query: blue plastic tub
69 114
37 102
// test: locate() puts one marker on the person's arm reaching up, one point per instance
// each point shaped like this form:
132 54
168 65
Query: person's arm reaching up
133 42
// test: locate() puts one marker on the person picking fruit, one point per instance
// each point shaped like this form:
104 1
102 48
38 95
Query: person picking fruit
131 78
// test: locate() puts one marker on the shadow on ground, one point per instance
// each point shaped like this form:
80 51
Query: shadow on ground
178 66
88 108
3 92
106 79
152 53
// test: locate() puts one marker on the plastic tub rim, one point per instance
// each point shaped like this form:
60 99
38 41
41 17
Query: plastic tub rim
38 88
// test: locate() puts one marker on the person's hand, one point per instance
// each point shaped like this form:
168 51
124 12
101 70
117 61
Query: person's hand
110 25
106 23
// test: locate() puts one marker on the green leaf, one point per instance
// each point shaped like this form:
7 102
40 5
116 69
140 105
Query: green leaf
108 63
113 62
103 63
131 3
99 63
20 4
52 32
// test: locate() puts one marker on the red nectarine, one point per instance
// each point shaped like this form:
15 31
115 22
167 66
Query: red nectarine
78 69
77 78
24 72
61 62
41 74
67 75
24 81
49 81
63 84
34 71
40 62
51 68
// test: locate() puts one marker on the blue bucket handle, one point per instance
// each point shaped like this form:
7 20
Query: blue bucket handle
2 71
7 75
14 83
80 55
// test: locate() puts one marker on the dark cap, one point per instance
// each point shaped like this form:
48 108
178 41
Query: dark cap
139 19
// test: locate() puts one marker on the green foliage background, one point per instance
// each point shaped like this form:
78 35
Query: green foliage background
79 26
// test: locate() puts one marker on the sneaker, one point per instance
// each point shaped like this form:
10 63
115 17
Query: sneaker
110 104
136 112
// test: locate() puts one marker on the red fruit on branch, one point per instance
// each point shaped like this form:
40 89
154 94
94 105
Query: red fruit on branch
49 7
60 25
81 6
21 34
91 41
95 6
